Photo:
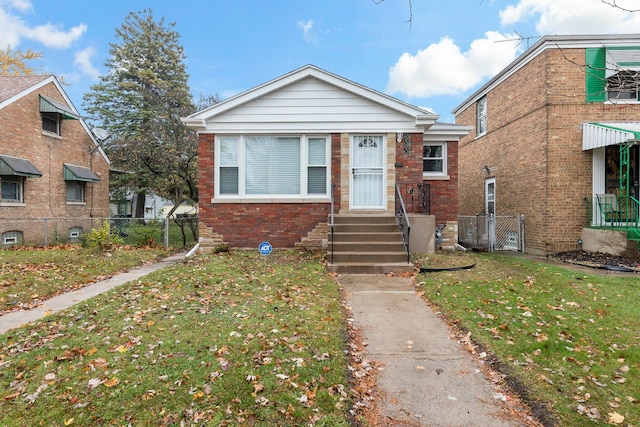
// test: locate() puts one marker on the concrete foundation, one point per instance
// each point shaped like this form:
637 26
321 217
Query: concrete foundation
423 234
612 242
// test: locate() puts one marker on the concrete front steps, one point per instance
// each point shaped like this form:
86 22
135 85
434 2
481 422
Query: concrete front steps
366 243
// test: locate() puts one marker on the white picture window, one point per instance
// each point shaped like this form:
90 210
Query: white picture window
272 166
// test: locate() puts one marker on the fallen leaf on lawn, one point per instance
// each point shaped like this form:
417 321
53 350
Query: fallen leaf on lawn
68 422
114 381
616 418
12 396
94 382
257 388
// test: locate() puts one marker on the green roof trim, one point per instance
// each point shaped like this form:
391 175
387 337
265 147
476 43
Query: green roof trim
636 133
16 166
79 173
51 106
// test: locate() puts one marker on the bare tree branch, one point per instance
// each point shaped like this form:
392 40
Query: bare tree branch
614 3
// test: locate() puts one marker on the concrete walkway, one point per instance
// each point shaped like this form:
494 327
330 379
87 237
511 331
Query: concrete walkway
427 379
16 319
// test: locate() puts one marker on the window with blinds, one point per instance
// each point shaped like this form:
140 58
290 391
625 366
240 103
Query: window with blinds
258 166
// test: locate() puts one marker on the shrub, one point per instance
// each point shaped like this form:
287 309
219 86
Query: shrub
100 238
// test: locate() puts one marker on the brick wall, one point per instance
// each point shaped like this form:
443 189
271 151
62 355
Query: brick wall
45 197
533 148
245 225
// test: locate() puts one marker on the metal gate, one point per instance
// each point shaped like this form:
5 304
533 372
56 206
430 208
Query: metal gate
492 232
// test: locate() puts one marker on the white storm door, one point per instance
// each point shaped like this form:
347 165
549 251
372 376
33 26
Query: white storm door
367 172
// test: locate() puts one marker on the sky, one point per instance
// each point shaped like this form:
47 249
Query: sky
432 54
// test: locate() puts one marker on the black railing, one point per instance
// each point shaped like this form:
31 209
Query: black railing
416 197
403 220
331 219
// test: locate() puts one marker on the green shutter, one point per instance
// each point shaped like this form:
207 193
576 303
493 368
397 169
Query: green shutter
595 74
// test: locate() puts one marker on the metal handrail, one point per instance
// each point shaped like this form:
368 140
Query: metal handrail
403 221
332 223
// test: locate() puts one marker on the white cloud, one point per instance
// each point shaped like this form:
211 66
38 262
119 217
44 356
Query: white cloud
83 61
442 68
13 29
307 28
575 16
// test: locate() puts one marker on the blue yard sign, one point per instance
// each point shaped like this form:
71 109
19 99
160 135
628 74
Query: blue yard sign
265 248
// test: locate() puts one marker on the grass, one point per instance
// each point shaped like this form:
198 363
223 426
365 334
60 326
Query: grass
571 340
28 276
223 340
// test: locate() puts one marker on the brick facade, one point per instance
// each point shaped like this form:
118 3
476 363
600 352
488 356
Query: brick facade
21 135
285 224
533 148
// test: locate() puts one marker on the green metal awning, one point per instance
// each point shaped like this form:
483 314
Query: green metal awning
597 135
51 106
79 173
10 165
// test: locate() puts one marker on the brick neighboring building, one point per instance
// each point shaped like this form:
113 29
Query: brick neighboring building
548 129
51 166
269 158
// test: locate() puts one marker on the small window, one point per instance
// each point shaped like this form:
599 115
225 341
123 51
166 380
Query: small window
51 123
75 233
12 238
75 191
12 188
481 125
623 86
434 159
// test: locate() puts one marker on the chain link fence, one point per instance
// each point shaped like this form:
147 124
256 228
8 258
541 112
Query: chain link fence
181 231
492 232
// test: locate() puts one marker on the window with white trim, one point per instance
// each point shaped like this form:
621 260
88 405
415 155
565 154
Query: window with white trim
255 166
12 188
11 238
434 159
481 116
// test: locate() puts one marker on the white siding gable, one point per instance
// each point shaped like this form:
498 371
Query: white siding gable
311 105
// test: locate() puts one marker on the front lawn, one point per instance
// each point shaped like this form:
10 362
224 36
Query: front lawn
30 275
572 341
221 340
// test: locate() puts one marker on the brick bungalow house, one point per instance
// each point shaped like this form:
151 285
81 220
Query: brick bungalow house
549 131
270 157
51 166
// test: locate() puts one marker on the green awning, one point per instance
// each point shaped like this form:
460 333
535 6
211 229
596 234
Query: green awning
10 165
79 173
51 106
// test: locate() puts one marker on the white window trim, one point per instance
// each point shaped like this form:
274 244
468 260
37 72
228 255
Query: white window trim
83 186
303 197
444 175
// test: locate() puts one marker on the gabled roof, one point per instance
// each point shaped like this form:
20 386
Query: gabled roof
13 88
545 43
422 117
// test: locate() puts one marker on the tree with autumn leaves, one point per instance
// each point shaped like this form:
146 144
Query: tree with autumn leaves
14 62
139 101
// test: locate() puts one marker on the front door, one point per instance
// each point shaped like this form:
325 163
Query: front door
367 172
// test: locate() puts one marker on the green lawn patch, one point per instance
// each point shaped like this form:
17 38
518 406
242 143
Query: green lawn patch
30 275
572 340
222 340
